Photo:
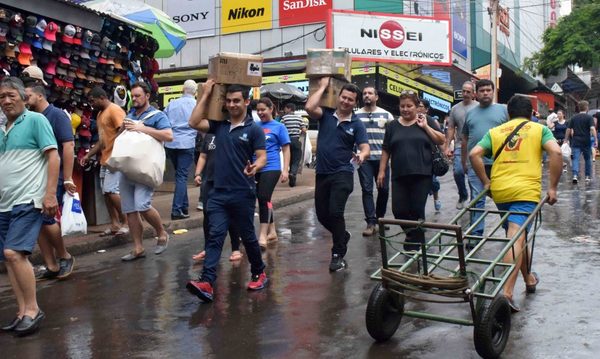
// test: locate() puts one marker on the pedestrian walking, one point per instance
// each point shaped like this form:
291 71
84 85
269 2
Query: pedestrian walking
579 133
59 262
478 121
109 120
375 119
340 131
558 124
456 121
180 151
205 178
408 145
423 108
295 127
516 180
277 141
136 198
233 198
30 166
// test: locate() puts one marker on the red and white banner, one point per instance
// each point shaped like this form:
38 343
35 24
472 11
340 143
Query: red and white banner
298 12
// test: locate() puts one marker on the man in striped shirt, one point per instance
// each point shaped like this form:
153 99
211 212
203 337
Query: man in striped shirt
375 119
295 127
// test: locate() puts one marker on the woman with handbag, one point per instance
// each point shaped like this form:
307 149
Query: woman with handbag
409 143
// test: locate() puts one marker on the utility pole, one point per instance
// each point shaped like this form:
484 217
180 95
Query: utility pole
494 46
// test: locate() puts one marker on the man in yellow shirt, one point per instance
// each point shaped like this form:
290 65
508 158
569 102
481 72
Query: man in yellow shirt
516 183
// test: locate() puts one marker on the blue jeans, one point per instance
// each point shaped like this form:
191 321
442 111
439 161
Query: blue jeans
182 159
459 176
225 206
587 157
476 188
367 175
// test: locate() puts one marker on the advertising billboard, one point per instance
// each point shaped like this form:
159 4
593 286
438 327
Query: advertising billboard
197 18
240 16
299 12
459 27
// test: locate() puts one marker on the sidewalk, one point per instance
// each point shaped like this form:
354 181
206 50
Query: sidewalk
283 196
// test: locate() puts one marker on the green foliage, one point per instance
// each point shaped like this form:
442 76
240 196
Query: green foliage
574 41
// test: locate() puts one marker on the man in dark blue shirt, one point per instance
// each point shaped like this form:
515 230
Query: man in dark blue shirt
50 239
339 132
234 195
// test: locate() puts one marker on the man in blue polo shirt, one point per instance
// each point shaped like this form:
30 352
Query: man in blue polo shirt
234 195
30 166
50 239
339 132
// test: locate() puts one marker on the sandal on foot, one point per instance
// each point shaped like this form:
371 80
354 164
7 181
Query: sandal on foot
513 307
236 256
131 256
199 257
161 245
108 232
122 231
530 289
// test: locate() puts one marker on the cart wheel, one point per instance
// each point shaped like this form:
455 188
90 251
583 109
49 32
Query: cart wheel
492 328
384 312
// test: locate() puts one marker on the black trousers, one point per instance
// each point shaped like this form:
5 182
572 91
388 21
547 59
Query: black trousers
409 196
295 154
265 185
331 194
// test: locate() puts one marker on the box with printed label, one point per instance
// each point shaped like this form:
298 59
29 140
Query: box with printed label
329 62
233 68
331 94
216 102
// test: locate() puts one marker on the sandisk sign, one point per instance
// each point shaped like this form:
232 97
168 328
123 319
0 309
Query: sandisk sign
390 38
297 12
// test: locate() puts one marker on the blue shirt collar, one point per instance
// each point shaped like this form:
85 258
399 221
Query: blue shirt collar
133 115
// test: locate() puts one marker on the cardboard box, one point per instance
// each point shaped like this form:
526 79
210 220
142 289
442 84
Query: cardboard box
233 68
216 102
331 94
329 62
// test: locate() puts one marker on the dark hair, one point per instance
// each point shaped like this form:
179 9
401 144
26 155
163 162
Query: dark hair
371 87
411 95
14 83
38 89
426 103
483 83
97 92
290 106
245 90
519 106
266 101
144 86
351 88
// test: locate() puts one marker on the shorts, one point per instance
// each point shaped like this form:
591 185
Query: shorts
517 206
60 192
110 183
20 228
135 197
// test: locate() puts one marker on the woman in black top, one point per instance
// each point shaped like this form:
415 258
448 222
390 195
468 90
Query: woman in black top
408 142
559 127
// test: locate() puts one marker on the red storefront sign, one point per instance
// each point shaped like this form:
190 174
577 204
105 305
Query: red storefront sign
298 12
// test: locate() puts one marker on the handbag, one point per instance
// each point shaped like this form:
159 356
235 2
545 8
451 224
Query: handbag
140 157
440 164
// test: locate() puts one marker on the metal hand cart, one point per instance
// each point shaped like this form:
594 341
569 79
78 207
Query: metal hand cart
444 271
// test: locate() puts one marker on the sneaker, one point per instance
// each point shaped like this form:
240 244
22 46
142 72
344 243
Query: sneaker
200 207
588 179
437 205
201 289
574 179
369 231
46 274
66 267
460 204
337 263
258 281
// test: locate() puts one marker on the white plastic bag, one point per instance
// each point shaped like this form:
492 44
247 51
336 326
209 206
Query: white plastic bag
72 219
566 151
140 157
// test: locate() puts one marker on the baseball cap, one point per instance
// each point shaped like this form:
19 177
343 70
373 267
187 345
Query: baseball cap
3 31
68 34
84 54
78 34
50 31
37 43
63 60
47 45
24 59
9 51
5 15
51 68
40 27
25 48
35 73
30 23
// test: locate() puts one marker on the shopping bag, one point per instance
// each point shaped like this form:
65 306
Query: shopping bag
72 220
138 156
566 151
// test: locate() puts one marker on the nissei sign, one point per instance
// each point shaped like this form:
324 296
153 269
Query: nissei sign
197 18
391 38
437 103
298 12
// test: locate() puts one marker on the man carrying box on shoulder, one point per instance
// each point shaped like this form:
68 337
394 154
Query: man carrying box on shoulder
233 198
340 130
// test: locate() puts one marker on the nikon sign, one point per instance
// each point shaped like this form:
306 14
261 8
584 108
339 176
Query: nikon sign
240 16
197 18
386 38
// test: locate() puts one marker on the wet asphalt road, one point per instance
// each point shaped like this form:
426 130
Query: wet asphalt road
109 309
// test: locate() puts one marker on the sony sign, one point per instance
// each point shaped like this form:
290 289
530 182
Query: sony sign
197 18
